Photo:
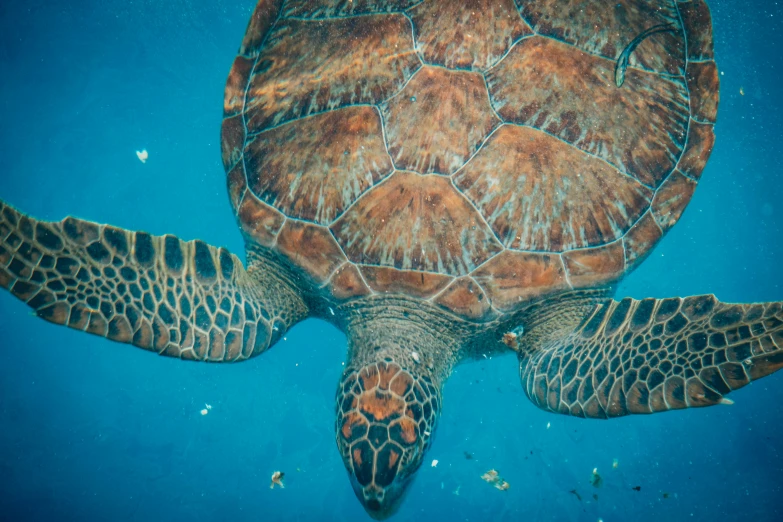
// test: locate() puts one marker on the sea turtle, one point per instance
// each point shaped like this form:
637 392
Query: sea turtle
440 180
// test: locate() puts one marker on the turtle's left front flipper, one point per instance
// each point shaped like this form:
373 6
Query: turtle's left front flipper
654 355
182 299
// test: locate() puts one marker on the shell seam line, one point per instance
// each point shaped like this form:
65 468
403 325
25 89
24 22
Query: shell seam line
688 91
413 37
244 108
591 154
385 144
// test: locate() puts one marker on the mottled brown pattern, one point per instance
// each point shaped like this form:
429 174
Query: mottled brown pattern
465 297
236 184
656 355
236 86
347 283
606 28
314 168
671 199
703 84
413 222
511 278
264 16
697 21
391 281
438 120
701 139
311 67
310 247
641 239
551 86
385 417
232 141
259 221
471 34
595 266
539 193
181 299
331 8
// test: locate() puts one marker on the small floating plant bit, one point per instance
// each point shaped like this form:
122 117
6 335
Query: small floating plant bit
204 411
615 464
277 480
595 479
435 463
576 494
511 340
490 476
142 155
502 485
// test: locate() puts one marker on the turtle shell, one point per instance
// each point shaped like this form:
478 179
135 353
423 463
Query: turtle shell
474 153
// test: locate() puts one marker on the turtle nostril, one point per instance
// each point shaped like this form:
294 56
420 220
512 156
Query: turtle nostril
373 505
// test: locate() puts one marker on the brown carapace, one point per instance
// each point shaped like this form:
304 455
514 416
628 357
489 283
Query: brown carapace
440 179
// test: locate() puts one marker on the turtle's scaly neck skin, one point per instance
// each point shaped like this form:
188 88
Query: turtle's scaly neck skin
401 350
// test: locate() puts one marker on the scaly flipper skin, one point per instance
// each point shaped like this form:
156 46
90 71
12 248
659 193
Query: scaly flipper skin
181 299
654 355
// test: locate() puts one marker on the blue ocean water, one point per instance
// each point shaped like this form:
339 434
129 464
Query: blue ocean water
93 430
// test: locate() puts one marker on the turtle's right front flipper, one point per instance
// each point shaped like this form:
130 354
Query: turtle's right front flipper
629 357
181 299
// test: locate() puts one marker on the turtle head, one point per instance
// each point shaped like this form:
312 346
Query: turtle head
385 417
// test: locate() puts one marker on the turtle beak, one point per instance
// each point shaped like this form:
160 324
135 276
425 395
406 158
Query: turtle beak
385 417
389 480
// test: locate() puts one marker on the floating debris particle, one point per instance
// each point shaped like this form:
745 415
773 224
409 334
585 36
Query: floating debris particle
615 464
468 456
576 494
548 425
595 496
277 480
502 485
490 476
456 491
595 479
665 495
637 488
435 463
142 155
331 311
742 91
204 411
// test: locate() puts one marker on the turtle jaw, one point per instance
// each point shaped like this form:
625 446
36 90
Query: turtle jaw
385 418
381 503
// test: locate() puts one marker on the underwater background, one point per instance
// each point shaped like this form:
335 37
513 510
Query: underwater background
94 430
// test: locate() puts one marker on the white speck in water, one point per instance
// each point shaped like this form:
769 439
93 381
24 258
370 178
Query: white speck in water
331 311
435 463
